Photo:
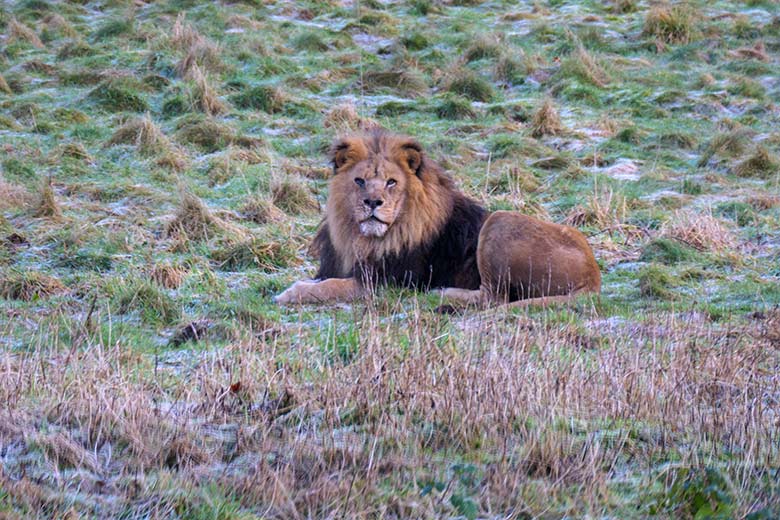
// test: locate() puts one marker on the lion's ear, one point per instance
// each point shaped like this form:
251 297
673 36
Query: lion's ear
347 151
413 156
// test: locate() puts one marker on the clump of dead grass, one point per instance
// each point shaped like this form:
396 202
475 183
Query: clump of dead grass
58 24
605 209
167 275
700 230
199 51
75 151
761 164
264 254
13 195
18 32
144 134
581 64
203 95
47 206
672 23
260 210
546 120
210 135
344 117
731 143
4 86
28 285
194 221
293 196
406 81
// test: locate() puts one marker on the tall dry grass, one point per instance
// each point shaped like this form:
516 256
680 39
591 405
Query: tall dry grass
341 428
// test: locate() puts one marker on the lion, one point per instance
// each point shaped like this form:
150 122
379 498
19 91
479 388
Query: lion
394 217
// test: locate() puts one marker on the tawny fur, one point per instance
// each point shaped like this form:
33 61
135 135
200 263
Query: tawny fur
393 216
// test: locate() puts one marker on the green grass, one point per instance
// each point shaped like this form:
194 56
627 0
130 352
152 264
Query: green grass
137 197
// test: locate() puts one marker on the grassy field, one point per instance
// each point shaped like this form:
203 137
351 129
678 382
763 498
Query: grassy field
163 169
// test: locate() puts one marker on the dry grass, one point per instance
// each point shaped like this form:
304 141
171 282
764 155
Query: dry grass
605 209
294 197
761 164
167 275
672 23
583 65
731 143
13 195
4 86
28 286
18 32
144 134
546 120
57 23
701 230
198 50
261 211
345 118
47 205
194 221
330 437
203 94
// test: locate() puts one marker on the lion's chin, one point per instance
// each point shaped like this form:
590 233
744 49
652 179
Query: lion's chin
373 228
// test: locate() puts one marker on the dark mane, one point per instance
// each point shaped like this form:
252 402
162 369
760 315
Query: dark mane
447 260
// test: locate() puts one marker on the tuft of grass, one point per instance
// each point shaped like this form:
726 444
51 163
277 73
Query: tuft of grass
194 221
13 196
731 143
469 84
700 230
210 135
4 87
656 282
18 32
310 41
293 197
484 46
260 210
546 120
452 106
747 87
582 65
144 134
167 275
262 97
119 94
761 164
263 254
28 285
511 69
345 117
667 251
204 95
415 41
114 28
47 206
143 296
74 48
668 23
407 82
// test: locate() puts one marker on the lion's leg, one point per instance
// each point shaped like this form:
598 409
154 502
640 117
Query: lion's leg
464 296
325 291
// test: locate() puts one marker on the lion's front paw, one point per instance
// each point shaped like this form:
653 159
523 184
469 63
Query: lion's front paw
297 293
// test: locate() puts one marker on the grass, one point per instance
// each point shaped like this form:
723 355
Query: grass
165 166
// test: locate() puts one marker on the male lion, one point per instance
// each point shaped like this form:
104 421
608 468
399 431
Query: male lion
393 216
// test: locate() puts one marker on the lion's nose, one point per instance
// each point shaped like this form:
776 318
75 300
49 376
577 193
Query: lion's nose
373 204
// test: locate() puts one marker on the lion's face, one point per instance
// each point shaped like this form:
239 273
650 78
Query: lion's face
372 182
377 194
385 197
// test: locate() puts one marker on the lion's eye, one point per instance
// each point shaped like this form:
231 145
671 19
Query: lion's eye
391 183
360 182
